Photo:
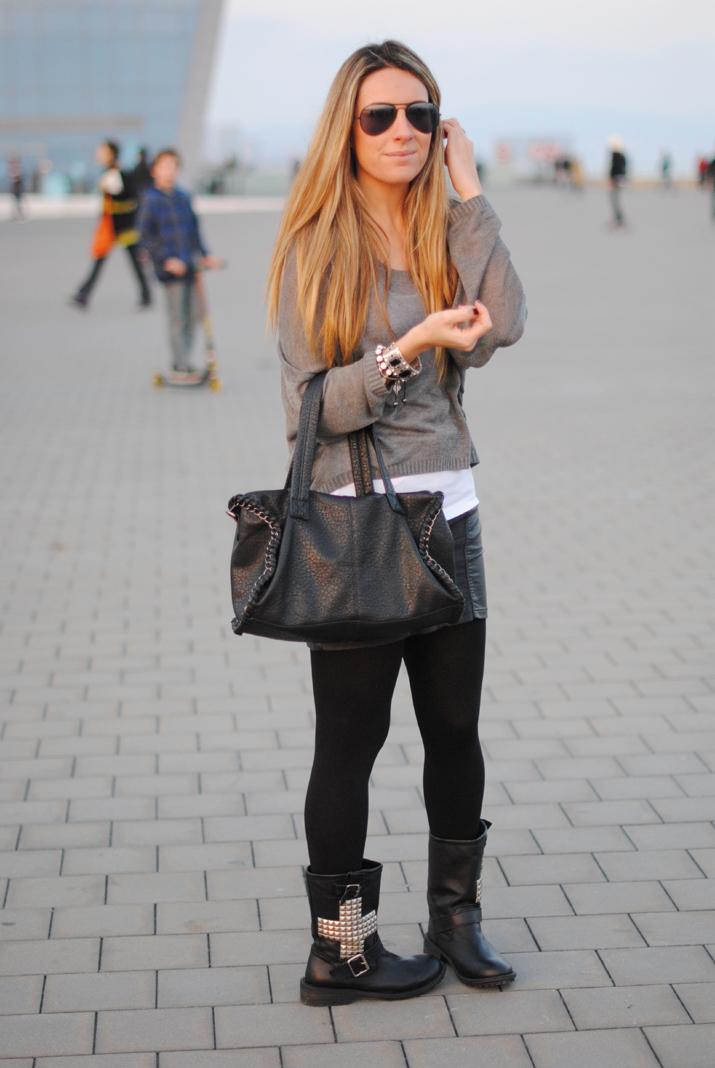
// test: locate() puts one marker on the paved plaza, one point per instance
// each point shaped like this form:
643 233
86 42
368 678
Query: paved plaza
153 766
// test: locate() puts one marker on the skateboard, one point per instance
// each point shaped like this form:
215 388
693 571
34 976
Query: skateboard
208 376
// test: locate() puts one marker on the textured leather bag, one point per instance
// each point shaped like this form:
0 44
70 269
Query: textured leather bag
312 566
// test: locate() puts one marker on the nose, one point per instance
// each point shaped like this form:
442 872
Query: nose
401 127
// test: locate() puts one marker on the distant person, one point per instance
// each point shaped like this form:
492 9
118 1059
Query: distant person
617 172
17 187
117 224
666 167
171 235
578 179
141 175
702 171
710 180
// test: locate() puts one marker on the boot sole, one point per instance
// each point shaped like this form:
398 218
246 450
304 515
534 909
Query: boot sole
310 994
496 980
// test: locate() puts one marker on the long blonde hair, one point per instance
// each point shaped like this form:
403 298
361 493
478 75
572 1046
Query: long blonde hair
337 243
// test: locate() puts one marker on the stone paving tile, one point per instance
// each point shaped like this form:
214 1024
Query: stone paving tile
421 1017
351 1055
675 1046
595 898
506 1051
624 1006
591 1049
676 929
270 1025
234 1058
100 990
585 932
24 924
213 986
496 1012
106 1060
560 968
34 1035
137 1030
43 957
102 920
20 994
672 964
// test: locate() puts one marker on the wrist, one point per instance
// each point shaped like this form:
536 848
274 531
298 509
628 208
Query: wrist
412 344
466 192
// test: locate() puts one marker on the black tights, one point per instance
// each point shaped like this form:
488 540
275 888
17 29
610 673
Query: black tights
353 692
133 252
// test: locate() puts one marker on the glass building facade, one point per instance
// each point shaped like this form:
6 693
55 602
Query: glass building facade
73 72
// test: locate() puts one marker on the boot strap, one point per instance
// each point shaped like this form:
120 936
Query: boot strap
444 923
359 964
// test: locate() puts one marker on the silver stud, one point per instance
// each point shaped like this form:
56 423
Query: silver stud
351 928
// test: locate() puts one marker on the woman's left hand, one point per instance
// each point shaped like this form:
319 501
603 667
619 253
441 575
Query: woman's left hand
459 158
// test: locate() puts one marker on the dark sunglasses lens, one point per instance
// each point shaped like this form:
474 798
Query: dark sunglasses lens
424 117
377 120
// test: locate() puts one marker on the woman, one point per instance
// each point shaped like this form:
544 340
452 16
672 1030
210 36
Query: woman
375 275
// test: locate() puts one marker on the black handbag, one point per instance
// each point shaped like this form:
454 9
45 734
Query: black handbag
312 566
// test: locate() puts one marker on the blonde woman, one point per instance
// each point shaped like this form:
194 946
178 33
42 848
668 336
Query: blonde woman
378 276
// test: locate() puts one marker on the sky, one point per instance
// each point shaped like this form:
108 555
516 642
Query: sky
552 68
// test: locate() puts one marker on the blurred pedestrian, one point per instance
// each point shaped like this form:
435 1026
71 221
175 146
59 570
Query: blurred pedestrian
17 187
117 224
617 171
702 171
710 181
666 167
171 235
141 175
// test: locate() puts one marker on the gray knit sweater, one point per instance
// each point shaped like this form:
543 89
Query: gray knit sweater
429 432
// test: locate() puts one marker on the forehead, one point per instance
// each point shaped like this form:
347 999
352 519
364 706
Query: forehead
390 86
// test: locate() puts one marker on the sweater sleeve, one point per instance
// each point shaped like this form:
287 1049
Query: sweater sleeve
486 273
353 395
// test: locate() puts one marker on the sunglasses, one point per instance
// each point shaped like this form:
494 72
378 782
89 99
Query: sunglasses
376 118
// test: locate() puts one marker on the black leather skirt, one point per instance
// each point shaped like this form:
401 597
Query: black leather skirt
468 575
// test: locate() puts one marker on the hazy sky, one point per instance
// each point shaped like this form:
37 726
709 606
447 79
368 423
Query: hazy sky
507 68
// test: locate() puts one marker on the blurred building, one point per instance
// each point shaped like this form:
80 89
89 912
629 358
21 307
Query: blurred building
75 71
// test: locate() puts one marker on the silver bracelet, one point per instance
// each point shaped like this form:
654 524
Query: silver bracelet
394 368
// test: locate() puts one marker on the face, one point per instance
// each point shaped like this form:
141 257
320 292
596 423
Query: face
104 156
398 155
165 171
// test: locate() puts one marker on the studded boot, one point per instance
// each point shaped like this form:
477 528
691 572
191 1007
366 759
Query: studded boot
347 960
454 896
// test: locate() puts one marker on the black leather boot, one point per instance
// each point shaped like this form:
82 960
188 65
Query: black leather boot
454 891
347 960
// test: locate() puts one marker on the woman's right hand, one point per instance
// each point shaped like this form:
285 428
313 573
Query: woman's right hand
454 328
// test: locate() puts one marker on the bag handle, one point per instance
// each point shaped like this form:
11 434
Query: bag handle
301 468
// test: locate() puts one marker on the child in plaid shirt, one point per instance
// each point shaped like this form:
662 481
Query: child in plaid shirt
171 235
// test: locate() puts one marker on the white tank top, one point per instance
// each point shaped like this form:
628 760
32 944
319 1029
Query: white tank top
457 487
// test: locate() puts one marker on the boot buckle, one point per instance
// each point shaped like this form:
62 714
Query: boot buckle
363 961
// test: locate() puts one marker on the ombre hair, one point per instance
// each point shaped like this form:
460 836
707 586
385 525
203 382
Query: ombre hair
338 245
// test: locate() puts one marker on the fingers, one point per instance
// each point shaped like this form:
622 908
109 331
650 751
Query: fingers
466 313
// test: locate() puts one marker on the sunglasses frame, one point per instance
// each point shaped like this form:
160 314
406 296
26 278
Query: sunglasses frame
397 107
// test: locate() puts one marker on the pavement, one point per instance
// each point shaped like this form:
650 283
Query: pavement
153 766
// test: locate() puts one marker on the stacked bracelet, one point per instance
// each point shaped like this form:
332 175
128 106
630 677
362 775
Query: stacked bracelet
394 368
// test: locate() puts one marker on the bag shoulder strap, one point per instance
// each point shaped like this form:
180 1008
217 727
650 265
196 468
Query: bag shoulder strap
301 468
